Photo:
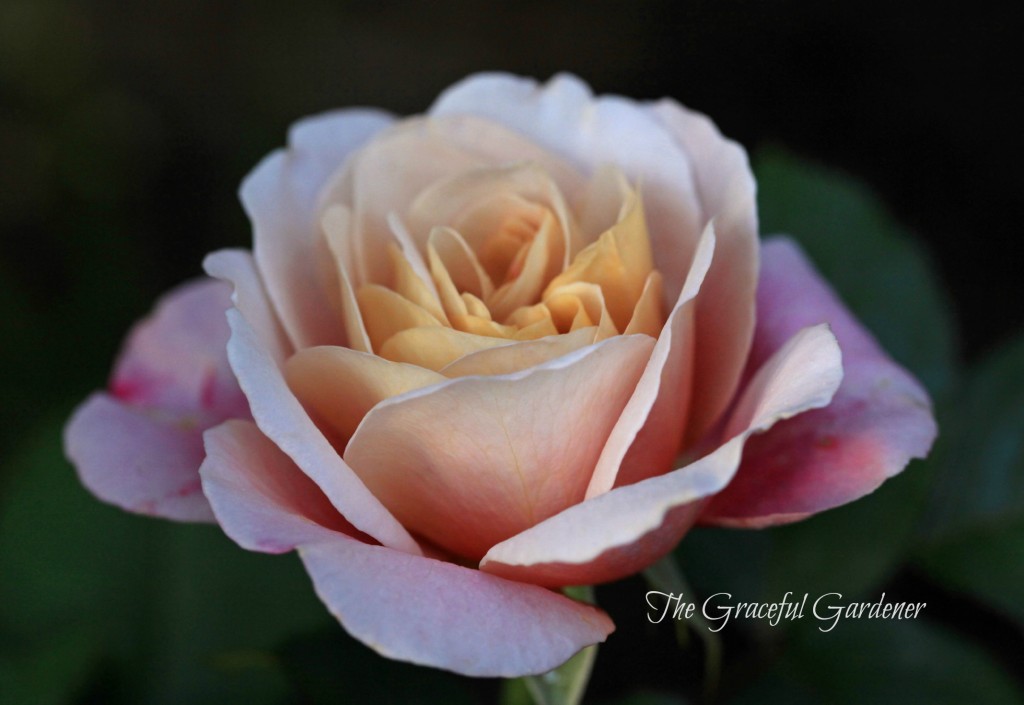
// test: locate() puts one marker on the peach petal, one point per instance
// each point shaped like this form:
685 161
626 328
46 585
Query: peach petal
647 315
526 280
564 117
619 262
386 312
520 356
338 386
408 284
136 460
622 531
435 347
261 499
443 615
392 170
470 462
280 416
880 417
725 314
650 431
572 299
280 198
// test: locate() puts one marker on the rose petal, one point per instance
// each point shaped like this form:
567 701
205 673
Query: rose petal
339 386
442 615
519 356
140 449
435 347
725 315
623 531
406 607
473 461
280 416
648 435
174 360
137 461
261 499
564 117
280 198
879 420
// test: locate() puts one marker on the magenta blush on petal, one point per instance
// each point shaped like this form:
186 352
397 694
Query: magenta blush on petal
879 419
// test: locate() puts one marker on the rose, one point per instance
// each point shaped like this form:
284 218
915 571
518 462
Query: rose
504 347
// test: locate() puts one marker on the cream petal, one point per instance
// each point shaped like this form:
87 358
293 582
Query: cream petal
473 461
337 229
386 313
725 315
280 198
565 118
650 431
338 386
446 248
623 531
647 314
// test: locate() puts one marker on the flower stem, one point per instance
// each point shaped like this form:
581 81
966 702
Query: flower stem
667 576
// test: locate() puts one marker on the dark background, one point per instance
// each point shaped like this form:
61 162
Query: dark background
125 129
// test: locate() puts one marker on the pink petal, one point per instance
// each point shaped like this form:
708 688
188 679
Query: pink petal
625 530
565 118
280 196
725 314
174 360
474 460
648 435
140 447
136 460
880 417
443 615
405 607
280 416
261 499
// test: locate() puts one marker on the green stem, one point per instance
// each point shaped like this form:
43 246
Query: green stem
667 576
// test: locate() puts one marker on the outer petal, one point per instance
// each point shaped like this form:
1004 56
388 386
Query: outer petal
137 461
140 448
281 417
627 529
880 417
280 197
406 607
473 460
725 314
564 117
262 500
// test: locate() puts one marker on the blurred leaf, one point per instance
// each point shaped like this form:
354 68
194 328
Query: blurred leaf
648 699
53 674
187 615
882 274
974 541
881 662
331 667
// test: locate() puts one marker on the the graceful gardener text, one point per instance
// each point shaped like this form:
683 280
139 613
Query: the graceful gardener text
718 609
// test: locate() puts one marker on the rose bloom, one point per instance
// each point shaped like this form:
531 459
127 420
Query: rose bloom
521 342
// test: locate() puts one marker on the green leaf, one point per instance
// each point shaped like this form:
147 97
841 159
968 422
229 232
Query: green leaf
974 541
566 684
882 274
882 662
